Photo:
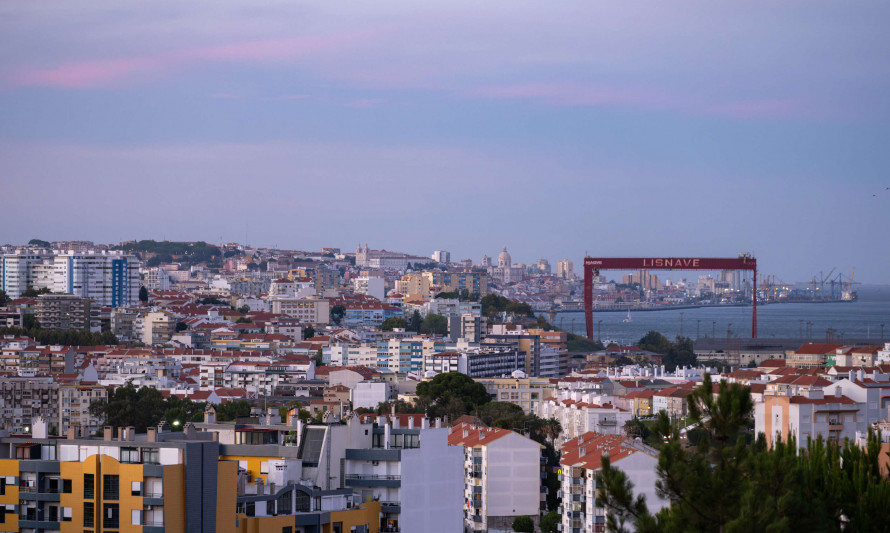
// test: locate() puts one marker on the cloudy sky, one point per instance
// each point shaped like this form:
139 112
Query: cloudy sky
554 128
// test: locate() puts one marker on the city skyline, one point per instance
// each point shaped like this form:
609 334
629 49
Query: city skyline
616 130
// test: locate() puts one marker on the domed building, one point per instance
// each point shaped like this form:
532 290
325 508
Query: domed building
504 259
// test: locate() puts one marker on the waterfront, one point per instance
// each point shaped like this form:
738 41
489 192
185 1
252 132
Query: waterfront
861 319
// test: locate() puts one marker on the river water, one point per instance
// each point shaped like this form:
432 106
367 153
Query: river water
861 320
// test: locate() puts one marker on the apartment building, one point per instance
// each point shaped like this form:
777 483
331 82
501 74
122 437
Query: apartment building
414 474
565 269
158 327
63 311
525 392
502 476
306 310
581 458
580 417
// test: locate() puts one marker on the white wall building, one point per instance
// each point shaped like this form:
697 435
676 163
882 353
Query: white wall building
503 476
581 458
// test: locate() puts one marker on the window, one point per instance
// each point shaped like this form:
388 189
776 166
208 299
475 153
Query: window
136 488
338 527
151 456
129 455
110 515
66 514
250 509
2 486
136 517
89 486
287 529
89 512
110 487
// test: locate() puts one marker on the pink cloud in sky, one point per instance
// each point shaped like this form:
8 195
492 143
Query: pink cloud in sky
598 95
111 72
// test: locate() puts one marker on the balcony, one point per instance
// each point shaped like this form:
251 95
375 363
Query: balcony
373 480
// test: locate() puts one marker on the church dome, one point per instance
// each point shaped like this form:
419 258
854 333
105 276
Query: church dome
504 259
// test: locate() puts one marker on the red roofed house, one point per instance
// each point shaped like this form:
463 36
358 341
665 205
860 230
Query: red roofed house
811 355
581 458
503 476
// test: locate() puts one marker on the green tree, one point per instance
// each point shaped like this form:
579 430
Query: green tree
337 314
40 243
550 522
31 292
415 322
244 309
393 322
228 411
726 484
523 524
318 357
143 294
308 332
4 298
448 295
434 324
452 391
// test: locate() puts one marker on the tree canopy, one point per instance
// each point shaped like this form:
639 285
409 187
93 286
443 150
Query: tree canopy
452 394
145 407
393 322
337 314
434 324
677 353
728 484
492 304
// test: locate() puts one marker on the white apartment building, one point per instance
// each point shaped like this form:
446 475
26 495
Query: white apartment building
565 269
580 417
441 256
371 286
502 476
413 472
109 278
581 458
307 310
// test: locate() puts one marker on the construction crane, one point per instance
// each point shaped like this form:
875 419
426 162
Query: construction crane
823 280
848 294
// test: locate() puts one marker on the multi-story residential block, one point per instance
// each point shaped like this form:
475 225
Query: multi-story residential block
525 392
158 327
306 310
17 270
74 407
580 417
488 360
581 458
128 324
503 476
63 311
413 472
834 417
24 399
441 256
811 355
565 269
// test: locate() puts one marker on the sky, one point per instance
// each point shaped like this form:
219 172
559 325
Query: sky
557 129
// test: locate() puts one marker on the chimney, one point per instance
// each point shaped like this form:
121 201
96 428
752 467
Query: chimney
438 422
395 421
837 392
424 423
120 433
387 431
107 433
209 414
151 434
189 430
410 422
466 433
70 434
381 421
131 433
